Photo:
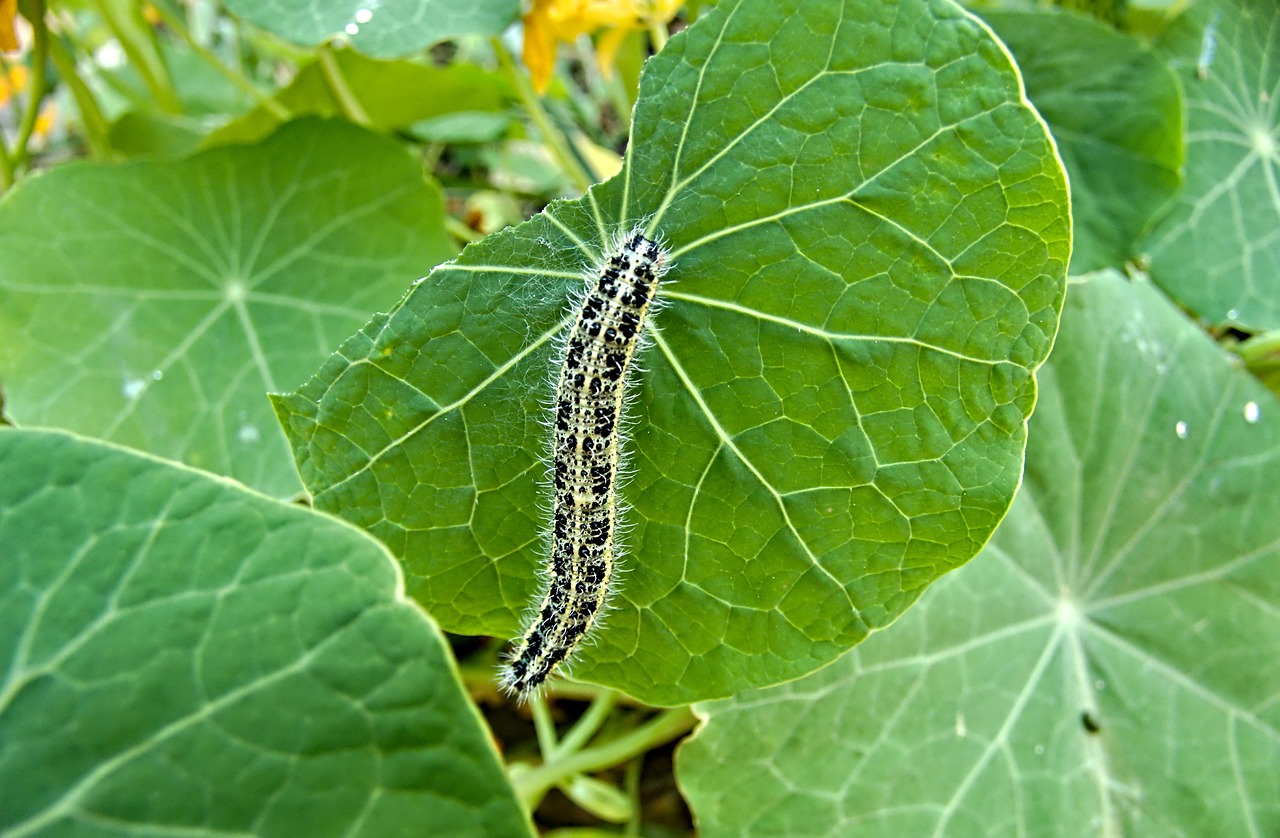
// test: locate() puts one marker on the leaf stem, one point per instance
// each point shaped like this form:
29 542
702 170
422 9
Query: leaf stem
543 726
6 168
631 787
556 142
532 785
461 231
148 62
231 74
1259 347
339 87
39 77
91 118
589 724
658 34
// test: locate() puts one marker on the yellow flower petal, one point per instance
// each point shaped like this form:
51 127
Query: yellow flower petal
551 21
14 83
607 50
8 36
46 120
539 45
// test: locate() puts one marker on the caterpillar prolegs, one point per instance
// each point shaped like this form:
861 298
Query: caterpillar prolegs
584 459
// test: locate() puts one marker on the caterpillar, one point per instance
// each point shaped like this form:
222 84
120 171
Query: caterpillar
586 413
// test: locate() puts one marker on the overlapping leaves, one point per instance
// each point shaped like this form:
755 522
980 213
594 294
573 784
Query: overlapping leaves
1107 666
1115 109
1217 252
868 230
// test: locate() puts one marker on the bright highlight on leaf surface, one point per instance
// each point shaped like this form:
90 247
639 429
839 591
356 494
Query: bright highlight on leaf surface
182 656
868 235
1107 666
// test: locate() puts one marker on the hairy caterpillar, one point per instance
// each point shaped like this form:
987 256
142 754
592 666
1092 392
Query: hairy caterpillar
584 459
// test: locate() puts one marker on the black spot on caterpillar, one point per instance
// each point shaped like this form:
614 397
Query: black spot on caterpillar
584 459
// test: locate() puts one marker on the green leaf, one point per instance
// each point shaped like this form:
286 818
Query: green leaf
181 656
154 303
380 88
1106 667
868 241
1115 110
462 127
385 29
1217 252
137 134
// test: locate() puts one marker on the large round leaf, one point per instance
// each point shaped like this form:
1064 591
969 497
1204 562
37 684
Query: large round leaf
1107 666
868 232
180 656
154 303
1217 252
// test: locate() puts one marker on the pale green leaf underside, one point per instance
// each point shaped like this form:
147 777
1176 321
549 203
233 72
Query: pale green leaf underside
384 28
868 234
1218 251
180 656
1115 110
1135 580
155 303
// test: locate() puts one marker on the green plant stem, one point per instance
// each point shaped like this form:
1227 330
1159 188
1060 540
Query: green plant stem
543 726
631 787
6 169
532 785
658 34
273 105
151 67
339 87
556 142
91 118
461 231
622 106
589 724
1260 347
39 78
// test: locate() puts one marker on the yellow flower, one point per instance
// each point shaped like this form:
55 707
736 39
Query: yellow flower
550 22
8 14
14 82
46 120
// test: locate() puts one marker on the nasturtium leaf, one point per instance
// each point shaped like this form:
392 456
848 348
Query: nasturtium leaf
393 95
1107 666
1216 252
868 232
462 127
155 303
182 656
139 134
1115 110
383 28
